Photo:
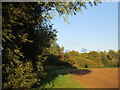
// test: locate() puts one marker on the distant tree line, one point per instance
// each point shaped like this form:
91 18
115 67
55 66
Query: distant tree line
82 60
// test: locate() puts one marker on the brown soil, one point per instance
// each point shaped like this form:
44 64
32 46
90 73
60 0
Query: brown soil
97 78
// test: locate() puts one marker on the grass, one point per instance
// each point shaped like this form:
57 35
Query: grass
58 78
65 81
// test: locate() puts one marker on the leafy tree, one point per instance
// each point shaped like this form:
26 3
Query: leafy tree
118 58
71 57
52 54
27 33
112 55
84 55
23 41
20 76
104 58
64 9
74 53
113 58
61 57
95 56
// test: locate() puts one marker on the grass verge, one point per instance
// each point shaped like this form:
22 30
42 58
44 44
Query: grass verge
63 81
59 78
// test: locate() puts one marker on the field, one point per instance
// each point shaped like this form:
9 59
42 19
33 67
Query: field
97 78
80 78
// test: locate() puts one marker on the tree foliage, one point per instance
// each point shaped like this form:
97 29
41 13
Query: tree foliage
92 59
113 58
27 34
23 41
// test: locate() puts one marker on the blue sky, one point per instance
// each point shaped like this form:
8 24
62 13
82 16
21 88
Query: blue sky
95 29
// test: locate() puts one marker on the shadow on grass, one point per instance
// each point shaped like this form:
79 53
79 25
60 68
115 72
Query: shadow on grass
54 71
80 72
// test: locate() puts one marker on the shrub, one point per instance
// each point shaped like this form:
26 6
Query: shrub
19 76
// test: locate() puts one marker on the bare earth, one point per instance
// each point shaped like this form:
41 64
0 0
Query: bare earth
97 78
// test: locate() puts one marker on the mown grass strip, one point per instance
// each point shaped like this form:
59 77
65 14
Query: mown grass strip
59 78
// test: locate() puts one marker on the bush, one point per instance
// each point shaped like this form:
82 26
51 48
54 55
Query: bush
19 76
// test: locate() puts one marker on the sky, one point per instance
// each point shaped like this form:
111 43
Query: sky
95 29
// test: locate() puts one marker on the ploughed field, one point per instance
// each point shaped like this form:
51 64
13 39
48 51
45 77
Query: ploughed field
96 78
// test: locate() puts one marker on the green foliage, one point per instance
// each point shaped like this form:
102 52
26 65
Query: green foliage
27 35
104 58
118 58
20 75
71 57
92 59
112 55
53 53
95 56
61 57
113 58
65 9
86 63
52 60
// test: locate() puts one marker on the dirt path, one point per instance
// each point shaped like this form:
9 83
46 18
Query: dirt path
97 78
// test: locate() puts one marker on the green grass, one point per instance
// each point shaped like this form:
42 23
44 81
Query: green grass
65 81
58 78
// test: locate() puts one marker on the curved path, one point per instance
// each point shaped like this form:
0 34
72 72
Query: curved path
96 78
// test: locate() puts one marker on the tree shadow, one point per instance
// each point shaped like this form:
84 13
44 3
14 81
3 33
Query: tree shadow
61 68
81 72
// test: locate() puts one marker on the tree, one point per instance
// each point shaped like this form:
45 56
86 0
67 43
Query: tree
113 58
118 58
61 54
95 56
27 33
84 55
64 9
24 42
104 58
